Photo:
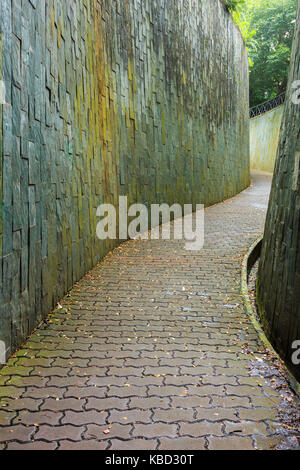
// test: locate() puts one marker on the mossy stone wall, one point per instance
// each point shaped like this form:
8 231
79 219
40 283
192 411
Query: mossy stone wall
145 98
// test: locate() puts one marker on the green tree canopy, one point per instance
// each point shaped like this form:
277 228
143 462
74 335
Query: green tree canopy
268 28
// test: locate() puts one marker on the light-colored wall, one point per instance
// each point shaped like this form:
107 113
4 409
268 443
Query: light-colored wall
264 137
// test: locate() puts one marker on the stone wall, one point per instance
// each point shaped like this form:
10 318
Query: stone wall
279 274
145 98
264 137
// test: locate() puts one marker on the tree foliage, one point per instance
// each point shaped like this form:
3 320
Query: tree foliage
268 27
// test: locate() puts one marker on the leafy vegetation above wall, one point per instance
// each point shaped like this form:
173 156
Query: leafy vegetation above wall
234 5
267 27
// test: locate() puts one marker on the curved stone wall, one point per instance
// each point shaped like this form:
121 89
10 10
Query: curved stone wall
147 99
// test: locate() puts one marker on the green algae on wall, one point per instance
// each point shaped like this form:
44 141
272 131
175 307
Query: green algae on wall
147 99
264 137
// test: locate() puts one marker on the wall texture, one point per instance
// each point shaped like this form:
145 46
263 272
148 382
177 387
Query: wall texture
279 273
264 137
145 98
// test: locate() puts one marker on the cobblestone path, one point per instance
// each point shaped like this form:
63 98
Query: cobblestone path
151 350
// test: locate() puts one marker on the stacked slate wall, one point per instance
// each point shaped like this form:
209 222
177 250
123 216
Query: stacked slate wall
145 98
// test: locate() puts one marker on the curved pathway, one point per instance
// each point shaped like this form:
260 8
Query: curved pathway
151 350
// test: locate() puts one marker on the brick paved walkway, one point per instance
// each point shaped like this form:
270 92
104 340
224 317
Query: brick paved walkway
150 351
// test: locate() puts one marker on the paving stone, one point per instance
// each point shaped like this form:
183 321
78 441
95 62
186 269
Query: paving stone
253 381
199 384
88 371
258 414
37 418
148 403
105 362
267 443
165 391
21 404
36 445
33 362
198 371
155 430
107 381
17 433
49 371
190 402
182 380
6 417
47 392
134 444
54 354
271 402
181 443
129 416
206 390
27 381
219 380
231 402
115 431
66 381
230 443
61 362
129 391
106 404
243 390
16 370
217 414
200 429
83 445
56 433
85 392
84 417
10 392
161 370
62 405
173 415
126 372
232 372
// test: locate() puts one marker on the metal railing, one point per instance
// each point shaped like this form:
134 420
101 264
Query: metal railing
267 106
